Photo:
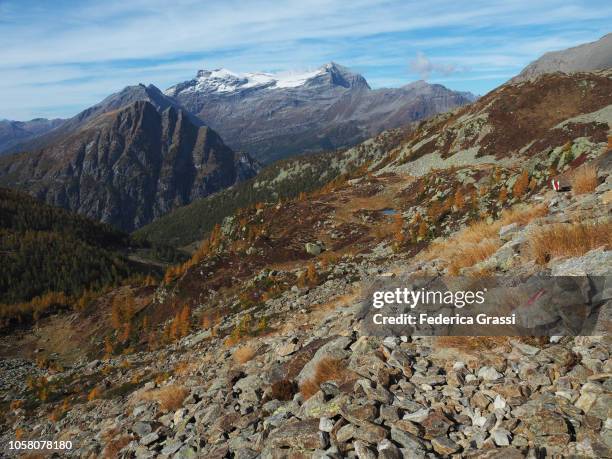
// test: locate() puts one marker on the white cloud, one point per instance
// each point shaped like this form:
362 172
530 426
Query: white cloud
425 67
90 43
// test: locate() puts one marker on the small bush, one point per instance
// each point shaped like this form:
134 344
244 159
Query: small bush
569 240
329 258
16 404
115 445
521 185
328 369
472 253
244 354
169 397
94 393
584 179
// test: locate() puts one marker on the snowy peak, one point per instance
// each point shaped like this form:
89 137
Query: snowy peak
223 81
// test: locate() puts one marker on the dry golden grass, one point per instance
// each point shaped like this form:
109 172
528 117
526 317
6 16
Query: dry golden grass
328 369
472 253
94 394
169 397
480 240
115 445
244 354
569 240
184 368
383 230
584 179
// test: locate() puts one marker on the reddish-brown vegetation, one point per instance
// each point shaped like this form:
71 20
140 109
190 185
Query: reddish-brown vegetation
328 369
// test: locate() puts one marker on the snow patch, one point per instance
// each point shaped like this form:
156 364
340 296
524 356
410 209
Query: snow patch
224 81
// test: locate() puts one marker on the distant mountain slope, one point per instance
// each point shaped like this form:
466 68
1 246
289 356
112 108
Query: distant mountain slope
276 116
514 126
15 132
589 56
126 96
282 180
46 249
535 121
127 164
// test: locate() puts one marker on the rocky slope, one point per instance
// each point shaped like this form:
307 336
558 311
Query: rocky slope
127 164
230 388
276 116
589 56
15 132
257 346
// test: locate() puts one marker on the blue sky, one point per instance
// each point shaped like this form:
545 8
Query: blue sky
59 57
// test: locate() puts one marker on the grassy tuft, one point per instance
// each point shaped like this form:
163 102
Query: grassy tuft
328 369
584 179
244 354
480 240
569 240
169 397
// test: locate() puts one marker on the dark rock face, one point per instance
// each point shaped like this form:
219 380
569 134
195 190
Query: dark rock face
274 117
129 166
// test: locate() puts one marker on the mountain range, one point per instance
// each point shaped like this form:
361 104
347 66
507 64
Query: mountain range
15 132
127 161
140 153
274 116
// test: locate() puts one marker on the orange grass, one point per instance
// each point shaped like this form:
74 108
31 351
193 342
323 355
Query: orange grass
328 369
569 240
584 179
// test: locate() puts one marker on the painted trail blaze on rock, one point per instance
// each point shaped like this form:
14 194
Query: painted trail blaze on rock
555 184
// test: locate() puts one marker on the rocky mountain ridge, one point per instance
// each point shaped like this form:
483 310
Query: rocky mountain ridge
276 116
127 164
596 55
115 101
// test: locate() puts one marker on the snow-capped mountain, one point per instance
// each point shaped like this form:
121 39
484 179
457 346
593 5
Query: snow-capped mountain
224 81
273 116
